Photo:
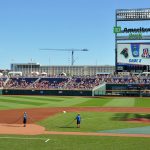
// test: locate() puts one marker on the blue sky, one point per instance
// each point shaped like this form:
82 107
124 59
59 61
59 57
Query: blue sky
28 25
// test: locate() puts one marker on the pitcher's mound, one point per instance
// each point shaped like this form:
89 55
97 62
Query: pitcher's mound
30 129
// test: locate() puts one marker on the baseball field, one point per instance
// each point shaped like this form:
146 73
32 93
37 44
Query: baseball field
108 123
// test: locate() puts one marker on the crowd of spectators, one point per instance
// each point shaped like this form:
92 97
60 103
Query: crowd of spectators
50 83
2 81
74 82
19 82
82 83
130 79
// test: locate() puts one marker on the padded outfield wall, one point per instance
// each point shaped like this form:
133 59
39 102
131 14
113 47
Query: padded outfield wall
128 89
107 89
47 92
1 91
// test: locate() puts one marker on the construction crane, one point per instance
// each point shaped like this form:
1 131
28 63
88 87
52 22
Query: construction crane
72 52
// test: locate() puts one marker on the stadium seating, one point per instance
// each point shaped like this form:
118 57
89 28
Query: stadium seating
74 82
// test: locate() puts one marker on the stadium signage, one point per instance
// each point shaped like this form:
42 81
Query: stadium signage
135 60
131 30
133 53
134 33
135 36
136 30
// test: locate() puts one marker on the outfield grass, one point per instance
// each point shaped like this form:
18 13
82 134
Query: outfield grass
65 142
13 102
95 102
91 122
142 102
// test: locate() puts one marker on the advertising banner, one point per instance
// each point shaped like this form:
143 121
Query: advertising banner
133 53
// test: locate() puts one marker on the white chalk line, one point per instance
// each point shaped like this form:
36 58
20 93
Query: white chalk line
22 138
47 140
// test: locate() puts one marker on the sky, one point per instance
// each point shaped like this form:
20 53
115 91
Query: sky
26 26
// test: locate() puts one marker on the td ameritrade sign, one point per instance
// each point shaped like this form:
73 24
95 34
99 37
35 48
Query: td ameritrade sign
134 33
131 30
135 30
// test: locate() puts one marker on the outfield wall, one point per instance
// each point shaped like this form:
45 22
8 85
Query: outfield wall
106 89
128 89
47 92
99 90
1 91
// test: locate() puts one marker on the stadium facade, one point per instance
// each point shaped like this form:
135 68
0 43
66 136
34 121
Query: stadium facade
28 68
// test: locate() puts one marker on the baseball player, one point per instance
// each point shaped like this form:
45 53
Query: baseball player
78 118
25 119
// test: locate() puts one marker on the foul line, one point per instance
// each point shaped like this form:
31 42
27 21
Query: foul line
22 138
47 140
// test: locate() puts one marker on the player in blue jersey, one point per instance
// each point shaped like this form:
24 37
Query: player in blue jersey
78 118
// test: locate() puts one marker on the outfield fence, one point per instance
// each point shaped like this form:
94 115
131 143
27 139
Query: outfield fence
1 91
122 90
101 90
47 92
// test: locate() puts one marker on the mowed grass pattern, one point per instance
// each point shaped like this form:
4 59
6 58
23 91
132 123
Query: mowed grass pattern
142 102
95 102
121 102
13 102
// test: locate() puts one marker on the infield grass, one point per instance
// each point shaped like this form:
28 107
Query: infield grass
91 122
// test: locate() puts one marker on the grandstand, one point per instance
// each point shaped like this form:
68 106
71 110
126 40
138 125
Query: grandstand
104 84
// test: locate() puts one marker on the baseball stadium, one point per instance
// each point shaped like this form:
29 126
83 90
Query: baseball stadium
82 107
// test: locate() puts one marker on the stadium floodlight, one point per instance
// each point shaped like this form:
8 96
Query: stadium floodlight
132 14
